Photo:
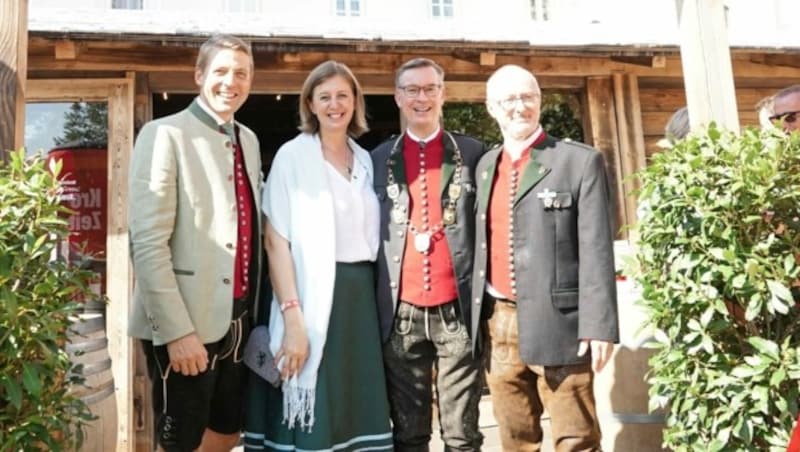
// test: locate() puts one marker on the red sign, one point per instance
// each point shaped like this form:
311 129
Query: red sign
84 181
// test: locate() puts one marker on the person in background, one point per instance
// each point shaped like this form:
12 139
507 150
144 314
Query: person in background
766 109
543 286
425 182
194 223
321 234
787 109
678 125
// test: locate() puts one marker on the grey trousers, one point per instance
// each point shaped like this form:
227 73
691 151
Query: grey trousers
424 339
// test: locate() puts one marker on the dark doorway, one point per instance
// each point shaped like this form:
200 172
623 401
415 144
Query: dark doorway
274 118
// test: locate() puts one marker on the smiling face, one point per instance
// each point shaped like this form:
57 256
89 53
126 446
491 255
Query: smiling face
333 103
514 101
225 82
420 96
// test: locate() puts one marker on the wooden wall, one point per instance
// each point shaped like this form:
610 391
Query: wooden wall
660 99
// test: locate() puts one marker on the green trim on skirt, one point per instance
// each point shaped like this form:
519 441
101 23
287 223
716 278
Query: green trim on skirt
352 409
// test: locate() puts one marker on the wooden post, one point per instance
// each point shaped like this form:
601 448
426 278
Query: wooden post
119 274
706 59
602 134
13 72
631 154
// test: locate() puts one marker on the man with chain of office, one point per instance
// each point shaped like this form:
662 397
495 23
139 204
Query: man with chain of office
424 181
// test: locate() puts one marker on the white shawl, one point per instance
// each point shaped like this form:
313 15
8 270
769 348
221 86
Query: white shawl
300 207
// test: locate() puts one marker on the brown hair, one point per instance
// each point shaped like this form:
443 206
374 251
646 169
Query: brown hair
324 71
219 42
415 64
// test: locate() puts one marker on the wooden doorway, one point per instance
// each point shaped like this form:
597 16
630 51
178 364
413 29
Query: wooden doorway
118 95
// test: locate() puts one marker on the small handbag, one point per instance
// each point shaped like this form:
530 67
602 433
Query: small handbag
258 357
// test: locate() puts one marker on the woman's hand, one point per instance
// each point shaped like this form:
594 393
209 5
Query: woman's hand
294 349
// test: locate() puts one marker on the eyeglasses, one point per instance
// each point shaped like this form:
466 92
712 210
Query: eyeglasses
414 90
529 100
788 117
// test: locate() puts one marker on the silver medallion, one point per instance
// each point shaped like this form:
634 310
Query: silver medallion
454 190
422 242
398 215
393 191
449 216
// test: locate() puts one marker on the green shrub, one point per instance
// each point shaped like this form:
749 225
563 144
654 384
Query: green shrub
717 262
38 297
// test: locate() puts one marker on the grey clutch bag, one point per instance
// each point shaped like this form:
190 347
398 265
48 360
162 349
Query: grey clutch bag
258 357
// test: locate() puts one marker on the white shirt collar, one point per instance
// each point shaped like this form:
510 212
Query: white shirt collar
516 148
211 112
426 139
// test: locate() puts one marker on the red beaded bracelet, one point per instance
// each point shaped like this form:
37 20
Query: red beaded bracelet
289 304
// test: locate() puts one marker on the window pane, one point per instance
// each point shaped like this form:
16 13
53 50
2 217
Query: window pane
355 8
126 4
340 8
77 134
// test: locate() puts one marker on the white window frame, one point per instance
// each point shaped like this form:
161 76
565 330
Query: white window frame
439 9
346 9
540 10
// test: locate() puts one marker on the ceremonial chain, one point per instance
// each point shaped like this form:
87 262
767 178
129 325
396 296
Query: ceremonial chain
399 214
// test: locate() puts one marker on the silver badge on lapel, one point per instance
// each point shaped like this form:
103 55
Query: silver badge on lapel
454 190
393 191
547 197
449 216
399 215
485 175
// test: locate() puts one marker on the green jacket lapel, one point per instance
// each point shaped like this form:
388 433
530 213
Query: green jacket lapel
534 171
486 178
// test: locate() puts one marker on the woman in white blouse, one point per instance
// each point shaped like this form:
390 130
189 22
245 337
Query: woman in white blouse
322 240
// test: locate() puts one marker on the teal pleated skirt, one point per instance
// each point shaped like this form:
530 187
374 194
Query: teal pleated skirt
352 409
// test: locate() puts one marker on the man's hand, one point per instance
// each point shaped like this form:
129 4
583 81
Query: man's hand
601 352
187 355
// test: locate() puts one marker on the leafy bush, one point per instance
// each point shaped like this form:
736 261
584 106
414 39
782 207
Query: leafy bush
717 262
38 298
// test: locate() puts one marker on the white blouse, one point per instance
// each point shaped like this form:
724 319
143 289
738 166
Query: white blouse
356 214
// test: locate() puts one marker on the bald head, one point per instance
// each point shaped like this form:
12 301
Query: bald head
510 74
513 98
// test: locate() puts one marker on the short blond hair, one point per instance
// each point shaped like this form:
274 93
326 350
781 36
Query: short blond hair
324 71
218 42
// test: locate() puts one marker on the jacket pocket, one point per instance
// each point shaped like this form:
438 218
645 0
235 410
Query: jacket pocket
565 300
183 272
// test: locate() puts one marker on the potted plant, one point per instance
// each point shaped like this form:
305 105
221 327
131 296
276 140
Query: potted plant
717 263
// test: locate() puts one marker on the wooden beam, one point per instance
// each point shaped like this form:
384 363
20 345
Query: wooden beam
640 60
13 72
707 67
66 50
631 154
602 120
777 59
85 89
488 58
119 274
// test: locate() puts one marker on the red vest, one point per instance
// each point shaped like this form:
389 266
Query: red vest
244 214
507 177
426 279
